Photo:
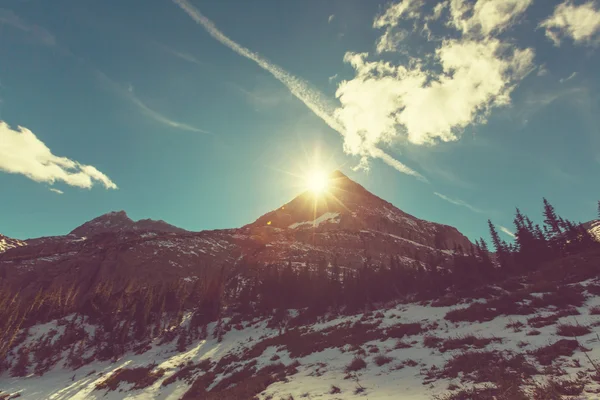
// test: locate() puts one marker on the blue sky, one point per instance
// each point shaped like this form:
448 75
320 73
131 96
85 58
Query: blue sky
196 112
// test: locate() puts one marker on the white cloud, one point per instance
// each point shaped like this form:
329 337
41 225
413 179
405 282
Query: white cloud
457 202
581 23
437 11
390 19
542 71
424 103
318 103
390 40
21 152
395 12
331 18
485 17
384 99
506 231
56 191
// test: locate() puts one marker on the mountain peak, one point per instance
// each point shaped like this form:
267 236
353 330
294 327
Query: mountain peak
119 221
346 206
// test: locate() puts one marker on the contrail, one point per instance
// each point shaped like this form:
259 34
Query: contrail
311 97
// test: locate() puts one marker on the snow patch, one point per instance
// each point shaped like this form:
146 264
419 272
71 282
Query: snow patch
328 217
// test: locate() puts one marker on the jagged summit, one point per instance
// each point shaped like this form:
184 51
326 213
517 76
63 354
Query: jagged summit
119 221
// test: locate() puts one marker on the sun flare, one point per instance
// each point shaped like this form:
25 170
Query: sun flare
317 182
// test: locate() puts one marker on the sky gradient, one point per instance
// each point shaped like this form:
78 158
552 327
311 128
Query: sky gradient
200 113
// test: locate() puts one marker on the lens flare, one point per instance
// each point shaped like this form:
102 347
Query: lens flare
317 182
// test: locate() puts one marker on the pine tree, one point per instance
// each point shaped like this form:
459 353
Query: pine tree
495 237
182 341
486 264
502 250
22 364
551 220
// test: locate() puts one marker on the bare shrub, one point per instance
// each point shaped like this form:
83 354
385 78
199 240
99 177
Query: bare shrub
547 354
465 342
398 331
595 310
381 360
402 345
141 377
488 366
569 330
563 297
432 342
539 321
356 364
186 371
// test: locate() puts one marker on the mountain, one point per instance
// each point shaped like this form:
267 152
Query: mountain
337 295
7 243
118 221
348 226
351 225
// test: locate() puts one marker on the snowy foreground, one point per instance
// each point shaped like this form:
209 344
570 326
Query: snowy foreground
402 362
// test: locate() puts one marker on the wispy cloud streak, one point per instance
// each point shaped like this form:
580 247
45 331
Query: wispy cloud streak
458 202
183 56
506 231
145 109
318 103
11 19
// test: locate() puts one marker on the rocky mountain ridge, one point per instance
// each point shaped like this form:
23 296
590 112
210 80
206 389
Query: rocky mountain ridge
348 225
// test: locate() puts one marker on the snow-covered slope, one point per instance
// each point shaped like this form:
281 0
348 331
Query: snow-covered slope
593 228
410 351
8 243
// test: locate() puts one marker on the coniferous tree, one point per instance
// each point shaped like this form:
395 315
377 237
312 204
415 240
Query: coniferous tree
530 250
502 250
21 366
182 341
487 267
551 220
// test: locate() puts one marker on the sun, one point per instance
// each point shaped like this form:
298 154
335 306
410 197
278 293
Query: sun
317 182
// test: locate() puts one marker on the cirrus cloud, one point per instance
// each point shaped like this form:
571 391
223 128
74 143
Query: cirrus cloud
457 202
21 152
9 18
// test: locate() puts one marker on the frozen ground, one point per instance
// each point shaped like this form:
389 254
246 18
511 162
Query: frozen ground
409 371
